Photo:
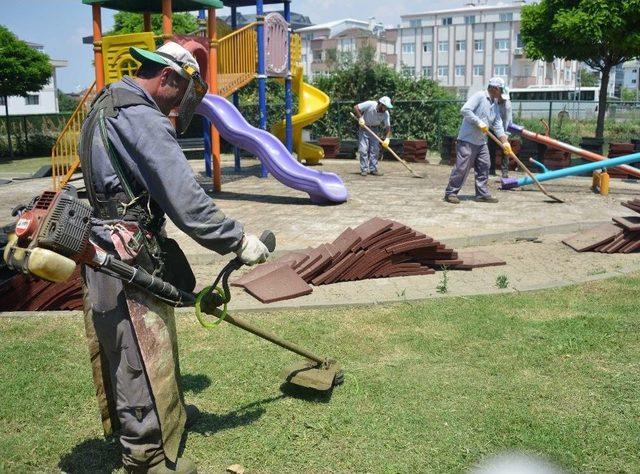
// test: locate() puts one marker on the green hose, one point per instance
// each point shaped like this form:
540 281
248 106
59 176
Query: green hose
220 314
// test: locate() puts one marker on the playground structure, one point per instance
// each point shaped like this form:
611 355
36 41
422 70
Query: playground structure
598 162
264 48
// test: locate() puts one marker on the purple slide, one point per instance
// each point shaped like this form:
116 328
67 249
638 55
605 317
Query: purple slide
322 187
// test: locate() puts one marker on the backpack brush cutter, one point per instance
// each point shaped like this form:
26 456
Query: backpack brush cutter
52 236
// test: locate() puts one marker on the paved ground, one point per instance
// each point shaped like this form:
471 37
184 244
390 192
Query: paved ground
267 204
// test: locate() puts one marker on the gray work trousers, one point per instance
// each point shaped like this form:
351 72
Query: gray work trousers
469 155
369 149
140 434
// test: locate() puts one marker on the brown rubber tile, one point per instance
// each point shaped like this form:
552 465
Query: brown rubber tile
631 223
258 271
595 237
411 245
281 284
478 259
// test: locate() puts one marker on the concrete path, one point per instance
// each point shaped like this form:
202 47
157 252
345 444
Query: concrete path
267 204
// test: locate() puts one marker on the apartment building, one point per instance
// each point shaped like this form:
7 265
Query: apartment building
463 47
44 101
631 75
325 44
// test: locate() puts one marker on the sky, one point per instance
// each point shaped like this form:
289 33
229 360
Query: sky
59 25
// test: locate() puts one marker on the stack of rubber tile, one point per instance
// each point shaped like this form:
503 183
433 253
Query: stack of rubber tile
556 159
620 236
377 248
616 150
330 145
23 293
414 151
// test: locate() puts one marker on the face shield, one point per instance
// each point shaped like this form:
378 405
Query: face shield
196 90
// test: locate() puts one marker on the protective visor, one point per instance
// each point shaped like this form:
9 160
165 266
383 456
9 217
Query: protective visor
192 97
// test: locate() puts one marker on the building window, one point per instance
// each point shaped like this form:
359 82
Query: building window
501 70
478 70
469 20
519 41
443 46
427 71
506 16
460 71
633 81
2 101
317 56
447 20
427 46
409 71
443 71
415 23
32 99
408 47
461 45
502 44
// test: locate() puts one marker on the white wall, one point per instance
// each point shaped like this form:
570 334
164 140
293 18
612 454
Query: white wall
48 102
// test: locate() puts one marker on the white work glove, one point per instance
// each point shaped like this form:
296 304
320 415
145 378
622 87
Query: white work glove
484 128
385 143
506 147
361 121
252 251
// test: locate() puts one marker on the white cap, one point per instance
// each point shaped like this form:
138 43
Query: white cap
386 102
500 84
170 54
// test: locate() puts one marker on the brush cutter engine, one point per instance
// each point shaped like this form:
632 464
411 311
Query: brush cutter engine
51 235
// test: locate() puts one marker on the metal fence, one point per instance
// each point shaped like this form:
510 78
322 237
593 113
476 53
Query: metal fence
34 135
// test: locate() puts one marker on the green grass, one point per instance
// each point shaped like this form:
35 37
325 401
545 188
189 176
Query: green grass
429 387
23 165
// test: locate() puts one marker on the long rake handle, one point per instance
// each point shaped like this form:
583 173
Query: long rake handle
393 153
526 170
273 338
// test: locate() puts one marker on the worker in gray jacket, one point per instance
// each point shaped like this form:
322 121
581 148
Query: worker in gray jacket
506 114
479 113
135 173
372 114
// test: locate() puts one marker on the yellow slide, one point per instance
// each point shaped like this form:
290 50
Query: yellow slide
312 105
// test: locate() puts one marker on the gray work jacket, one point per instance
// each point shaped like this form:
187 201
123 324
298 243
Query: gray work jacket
146 142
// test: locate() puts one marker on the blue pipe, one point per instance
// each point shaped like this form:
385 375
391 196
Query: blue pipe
536 162
510 183
234 97
287 84
262 76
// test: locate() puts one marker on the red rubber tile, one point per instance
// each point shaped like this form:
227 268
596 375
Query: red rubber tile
593 238
281 284
478 259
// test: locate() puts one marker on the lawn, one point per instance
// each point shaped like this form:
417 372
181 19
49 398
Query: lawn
429 387
23 165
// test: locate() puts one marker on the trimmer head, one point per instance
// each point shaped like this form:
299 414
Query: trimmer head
313 375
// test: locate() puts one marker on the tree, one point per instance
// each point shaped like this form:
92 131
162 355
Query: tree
600 33
362 78
588 78
67 103
22 70
183 24
628 95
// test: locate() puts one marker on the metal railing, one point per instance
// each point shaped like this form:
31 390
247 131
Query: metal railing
64 154
237 59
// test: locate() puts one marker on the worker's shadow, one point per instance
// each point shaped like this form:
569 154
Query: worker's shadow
210 423
95 455
195 383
